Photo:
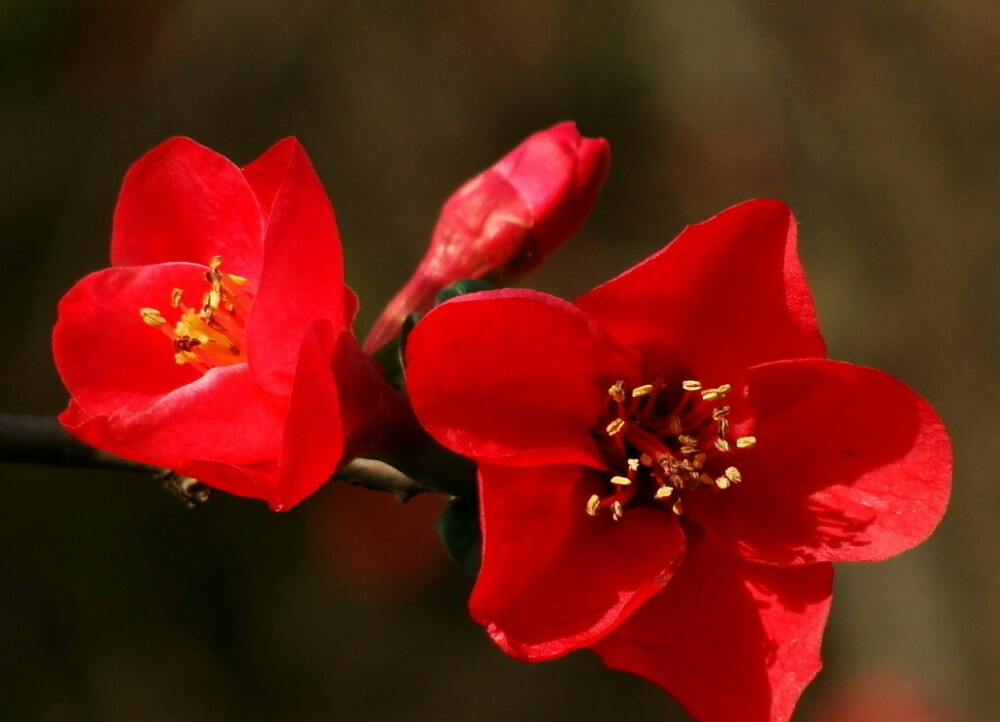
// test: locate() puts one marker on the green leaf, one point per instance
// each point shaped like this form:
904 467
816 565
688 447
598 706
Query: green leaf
458 528
460 288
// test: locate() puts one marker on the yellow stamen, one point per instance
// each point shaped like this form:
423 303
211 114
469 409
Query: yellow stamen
617 510
722 445
621 480
746 442
152 317
663 492
691 385
615 427
733 474
176 296
617 392
593 504
644 390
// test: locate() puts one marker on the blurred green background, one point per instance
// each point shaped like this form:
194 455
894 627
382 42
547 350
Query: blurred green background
879 122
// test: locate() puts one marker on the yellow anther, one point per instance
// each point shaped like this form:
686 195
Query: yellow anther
215 263
633 464
593 504
675 425
152 316
687 439
724 389
722 445
746 442
688 450
644 390
176 296
615 427
617 391
663 492
238 280
677 508
722 482
691 385
733 474
719 412
710 394
621 480
617 510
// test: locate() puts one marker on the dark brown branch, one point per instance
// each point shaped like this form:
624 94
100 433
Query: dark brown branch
33 439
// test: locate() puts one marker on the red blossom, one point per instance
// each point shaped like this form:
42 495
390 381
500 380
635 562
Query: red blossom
219 343
668 466
506 220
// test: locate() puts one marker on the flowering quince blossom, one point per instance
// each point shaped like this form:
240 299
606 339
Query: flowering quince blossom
506 220
668 466
219 343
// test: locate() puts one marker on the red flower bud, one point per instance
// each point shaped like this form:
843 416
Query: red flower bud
505 221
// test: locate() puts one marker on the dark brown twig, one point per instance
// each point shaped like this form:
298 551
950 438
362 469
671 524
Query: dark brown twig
32 439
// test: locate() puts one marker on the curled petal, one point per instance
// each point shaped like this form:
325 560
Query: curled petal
184 202
724 295
553 578
303 275
223 415
850 465
729 639
513 377
313 440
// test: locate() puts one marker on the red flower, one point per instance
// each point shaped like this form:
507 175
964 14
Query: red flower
668 466
210 345
506 220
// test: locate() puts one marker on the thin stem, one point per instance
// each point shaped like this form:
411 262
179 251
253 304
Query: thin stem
32 439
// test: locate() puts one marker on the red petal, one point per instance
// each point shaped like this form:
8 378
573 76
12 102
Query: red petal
724 295
266 174
223 416
303 276
730 640
108 358
184 202
314 432
850 465
553 578
513 376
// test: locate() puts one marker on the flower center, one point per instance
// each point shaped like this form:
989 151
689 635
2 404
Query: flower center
662 455
212 334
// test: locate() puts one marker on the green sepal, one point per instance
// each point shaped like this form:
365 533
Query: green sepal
458 529
460 288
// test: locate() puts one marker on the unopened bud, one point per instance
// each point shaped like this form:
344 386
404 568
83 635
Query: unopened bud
505 221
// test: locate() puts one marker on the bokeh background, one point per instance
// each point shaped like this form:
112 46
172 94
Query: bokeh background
878 121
